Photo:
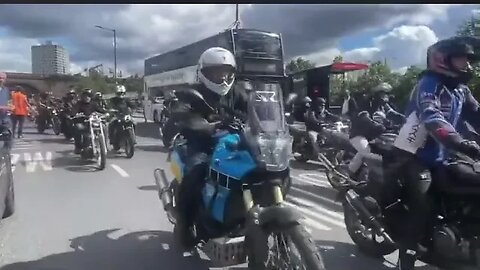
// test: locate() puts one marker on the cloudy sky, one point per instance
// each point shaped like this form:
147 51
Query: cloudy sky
397 33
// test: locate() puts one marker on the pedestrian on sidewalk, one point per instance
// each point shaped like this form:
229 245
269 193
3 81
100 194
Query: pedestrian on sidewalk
20 110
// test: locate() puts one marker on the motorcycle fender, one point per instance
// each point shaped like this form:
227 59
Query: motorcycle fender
264 220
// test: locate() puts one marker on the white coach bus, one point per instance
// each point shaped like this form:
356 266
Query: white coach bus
259 54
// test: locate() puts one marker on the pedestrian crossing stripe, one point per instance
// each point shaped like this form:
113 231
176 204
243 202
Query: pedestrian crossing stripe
33 161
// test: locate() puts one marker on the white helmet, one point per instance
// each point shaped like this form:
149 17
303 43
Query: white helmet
120 90
211 69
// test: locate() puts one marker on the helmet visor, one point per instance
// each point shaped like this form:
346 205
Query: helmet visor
219 74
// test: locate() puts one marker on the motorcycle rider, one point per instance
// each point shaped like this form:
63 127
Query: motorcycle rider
197 122
87 107
315 117
437 104
363 130
69 99
382 111
122 105
98 99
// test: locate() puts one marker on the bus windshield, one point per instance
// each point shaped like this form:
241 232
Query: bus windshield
258 44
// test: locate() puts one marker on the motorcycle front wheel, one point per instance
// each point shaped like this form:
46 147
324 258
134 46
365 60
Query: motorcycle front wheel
282 243
56 126
102 152
129 144
41 126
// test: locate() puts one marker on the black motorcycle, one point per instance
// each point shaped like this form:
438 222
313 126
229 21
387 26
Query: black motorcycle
168 128
48 117
450 242
94 145
333 143
124 134
66 123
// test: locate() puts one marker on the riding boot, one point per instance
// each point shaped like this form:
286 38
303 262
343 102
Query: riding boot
406 259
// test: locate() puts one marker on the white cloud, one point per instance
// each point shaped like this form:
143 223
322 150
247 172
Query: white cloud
15 54
74 68
403 46
323 57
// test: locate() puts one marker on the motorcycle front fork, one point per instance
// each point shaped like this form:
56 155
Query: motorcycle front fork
248 198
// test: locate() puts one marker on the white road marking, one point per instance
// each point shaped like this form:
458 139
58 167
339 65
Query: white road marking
320 209
14 159
31 164
316 216
309 223
316 196
120 171
307 181
315 178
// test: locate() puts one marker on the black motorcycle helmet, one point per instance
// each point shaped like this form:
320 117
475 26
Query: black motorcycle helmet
86 95
381 93
307 102
440 55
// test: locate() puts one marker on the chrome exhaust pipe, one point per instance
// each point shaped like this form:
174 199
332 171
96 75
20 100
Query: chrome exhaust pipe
164 191
354 200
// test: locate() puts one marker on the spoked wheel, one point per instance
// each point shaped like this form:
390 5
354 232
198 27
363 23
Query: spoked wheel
101 152
292 248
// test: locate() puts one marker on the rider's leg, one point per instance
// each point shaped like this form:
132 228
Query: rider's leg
189 195
312 140
78 139
361 145
417 180
111 128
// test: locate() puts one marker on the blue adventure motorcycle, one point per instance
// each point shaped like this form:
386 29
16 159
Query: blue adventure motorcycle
243 193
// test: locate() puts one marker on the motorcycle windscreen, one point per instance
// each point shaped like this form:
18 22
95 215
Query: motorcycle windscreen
266 126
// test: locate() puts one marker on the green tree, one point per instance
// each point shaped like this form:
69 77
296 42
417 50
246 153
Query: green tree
338 59
405 85
377 72
467 28
299 64
338 83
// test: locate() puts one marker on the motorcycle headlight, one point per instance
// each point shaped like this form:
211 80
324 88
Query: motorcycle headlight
275 152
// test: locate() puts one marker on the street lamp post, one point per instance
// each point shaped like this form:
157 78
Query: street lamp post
114 49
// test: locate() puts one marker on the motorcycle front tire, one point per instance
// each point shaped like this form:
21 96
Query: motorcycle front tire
129 143
103 152
56 126
41 127
297 233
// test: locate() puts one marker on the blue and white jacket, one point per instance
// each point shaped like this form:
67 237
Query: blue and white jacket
433 112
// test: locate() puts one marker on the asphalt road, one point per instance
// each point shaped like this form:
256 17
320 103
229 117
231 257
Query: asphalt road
70 216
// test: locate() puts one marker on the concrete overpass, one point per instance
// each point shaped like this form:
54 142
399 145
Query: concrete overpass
36 83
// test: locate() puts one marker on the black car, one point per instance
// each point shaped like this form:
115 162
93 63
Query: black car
7 195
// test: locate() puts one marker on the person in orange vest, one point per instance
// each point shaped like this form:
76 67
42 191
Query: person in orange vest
20 110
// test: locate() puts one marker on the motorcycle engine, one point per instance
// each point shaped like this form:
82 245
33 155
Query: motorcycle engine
448 242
